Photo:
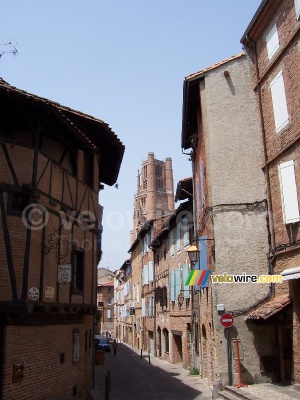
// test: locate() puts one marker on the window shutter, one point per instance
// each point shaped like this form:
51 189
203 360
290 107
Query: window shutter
150 271
177 282
185 275
185 231
289 195
297 8
108 313
143 307
279 102
172 286
272 41
172 250
178 237
146 273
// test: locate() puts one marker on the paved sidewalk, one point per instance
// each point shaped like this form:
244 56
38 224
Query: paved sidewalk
134 378
268 391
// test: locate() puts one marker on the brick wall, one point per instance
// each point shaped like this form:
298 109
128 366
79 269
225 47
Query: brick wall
44 374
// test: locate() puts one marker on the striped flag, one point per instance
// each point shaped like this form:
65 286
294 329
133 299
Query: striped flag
197 277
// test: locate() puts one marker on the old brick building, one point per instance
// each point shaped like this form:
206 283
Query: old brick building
221 128
124 303
52 160
272 42
173 304
155 192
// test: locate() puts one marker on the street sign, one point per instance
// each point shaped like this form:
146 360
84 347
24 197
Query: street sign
227 320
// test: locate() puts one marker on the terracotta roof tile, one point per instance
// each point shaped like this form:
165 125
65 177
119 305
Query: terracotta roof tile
268 309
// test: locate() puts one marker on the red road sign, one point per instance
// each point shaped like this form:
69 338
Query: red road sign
227 320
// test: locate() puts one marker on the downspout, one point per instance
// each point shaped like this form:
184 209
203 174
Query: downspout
270 221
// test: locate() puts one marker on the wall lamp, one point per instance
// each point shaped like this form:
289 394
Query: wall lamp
181 297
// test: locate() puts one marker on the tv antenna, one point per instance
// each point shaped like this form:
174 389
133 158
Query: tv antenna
8 48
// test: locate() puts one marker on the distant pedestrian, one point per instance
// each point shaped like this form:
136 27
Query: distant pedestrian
115 345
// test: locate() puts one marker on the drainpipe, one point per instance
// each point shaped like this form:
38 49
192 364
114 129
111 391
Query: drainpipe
270 221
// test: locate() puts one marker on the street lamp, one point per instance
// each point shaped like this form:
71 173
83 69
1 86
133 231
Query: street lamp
193 253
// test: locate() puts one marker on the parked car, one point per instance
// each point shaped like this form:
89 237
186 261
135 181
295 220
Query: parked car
102 344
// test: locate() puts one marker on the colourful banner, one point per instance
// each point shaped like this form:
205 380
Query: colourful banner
198 277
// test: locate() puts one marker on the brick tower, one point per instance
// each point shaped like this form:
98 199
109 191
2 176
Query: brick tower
155 192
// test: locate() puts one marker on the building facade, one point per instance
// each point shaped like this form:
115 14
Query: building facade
272 41
105 309
50 172
221 129
173 303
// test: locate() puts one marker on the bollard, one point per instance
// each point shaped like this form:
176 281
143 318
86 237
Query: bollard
141 353
149 357
108 379
217 387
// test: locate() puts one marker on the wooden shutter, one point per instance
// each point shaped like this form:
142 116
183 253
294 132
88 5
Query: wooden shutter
172 286
279 102
150 271
297 8
272 41
178 237
143 307
172 250
177 282
185 231
185 274
289 195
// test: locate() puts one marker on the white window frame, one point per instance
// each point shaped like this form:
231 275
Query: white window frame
281 115
289 193
272 41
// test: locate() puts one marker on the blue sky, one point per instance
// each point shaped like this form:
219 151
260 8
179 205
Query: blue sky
123 61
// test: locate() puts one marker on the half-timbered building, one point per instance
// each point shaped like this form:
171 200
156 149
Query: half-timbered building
53 162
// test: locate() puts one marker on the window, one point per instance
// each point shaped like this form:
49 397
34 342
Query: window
108 313
110 300
289 195
17 202
297 7
272 41
77 271
279 102
109 289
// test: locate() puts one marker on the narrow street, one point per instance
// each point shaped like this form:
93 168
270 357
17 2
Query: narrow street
134 378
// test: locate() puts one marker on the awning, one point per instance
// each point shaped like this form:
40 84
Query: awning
291 273
269 309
